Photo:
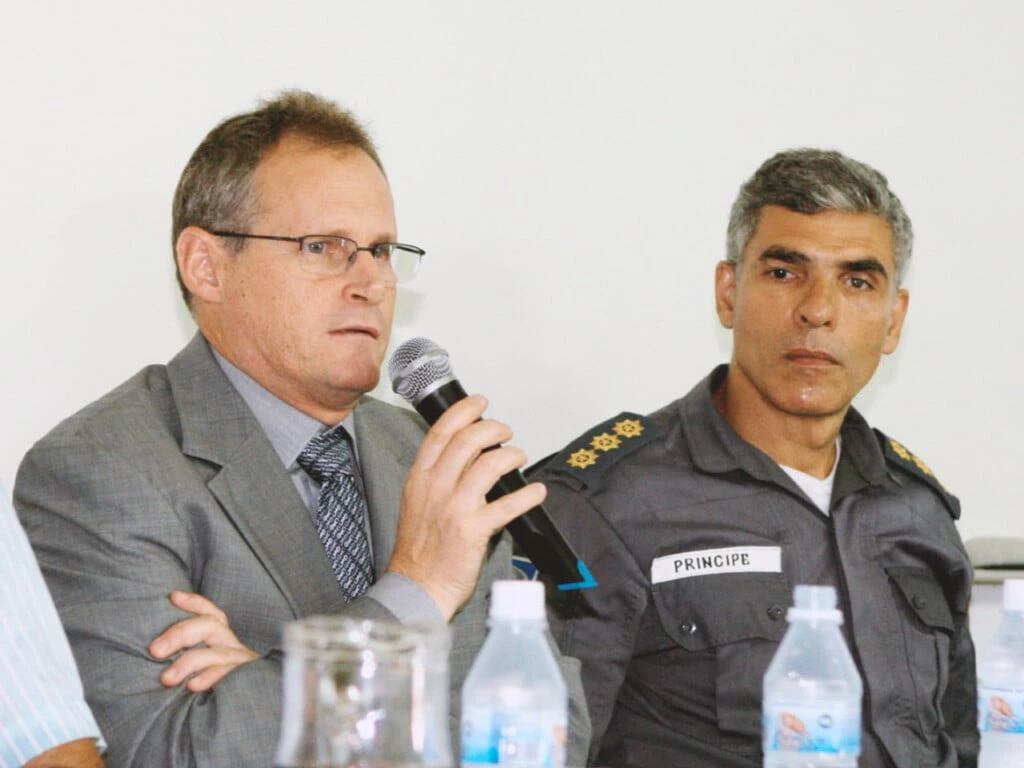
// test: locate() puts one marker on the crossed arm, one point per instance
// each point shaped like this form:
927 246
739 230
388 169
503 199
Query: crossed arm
444 528
80 753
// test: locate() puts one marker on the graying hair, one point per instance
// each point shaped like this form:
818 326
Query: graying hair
813 181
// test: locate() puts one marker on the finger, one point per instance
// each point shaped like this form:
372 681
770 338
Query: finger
188 663
501 512
198 659
196 603
191 632
209 677
468 444
460 415
484 471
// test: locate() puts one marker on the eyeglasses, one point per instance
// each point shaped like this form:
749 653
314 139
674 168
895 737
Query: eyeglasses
329 255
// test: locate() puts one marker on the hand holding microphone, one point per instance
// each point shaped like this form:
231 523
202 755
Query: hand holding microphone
445 523
421 372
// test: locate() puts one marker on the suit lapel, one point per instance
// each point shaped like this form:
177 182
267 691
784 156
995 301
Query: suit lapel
387 448
252 486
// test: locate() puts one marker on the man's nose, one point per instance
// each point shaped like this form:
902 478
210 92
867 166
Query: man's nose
818 304
366 278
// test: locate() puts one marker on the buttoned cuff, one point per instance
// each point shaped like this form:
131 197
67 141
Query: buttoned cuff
407 600
28 737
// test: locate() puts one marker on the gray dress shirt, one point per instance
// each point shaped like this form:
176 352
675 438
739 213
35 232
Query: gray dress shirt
288 430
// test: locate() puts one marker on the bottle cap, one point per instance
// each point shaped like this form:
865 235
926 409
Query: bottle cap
522 600
814 598
1013 595
814 603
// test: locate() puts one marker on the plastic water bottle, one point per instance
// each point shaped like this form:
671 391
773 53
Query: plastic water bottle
1001 686
514 701
812 690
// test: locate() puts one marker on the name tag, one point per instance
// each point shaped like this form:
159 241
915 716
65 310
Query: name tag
708 562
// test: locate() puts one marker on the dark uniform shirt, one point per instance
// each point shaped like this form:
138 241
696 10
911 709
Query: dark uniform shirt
674 649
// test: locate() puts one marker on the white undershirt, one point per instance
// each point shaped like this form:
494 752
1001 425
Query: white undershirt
818 491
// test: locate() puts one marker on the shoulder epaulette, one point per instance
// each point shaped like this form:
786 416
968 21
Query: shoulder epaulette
898 455
592 454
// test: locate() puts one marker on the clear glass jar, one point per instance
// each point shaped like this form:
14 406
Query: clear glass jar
361 693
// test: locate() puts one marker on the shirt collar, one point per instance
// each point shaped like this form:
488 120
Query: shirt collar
716 448
287 428
864 463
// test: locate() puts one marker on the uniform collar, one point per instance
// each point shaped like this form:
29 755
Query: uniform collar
864 462
716 448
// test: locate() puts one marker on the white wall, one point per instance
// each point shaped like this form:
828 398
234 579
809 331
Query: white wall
568 166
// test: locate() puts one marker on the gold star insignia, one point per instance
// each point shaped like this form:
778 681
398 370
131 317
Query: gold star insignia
628 428
906 455
605 442
928 471
902 452
582 459
922 466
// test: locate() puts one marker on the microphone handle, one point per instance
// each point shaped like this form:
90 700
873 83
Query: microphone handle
541 541
534 531
436 402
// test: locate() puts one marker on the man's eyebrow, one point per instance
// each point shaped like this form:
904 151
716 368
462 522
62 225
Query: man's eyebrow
388 238
787 255
869 264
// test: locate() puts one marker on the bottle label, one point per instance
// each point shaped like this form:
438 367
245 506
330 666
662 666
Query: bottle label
1000 710
534 738
821 727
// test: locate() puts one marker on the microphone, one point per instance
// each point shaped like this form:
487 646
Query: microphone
421 372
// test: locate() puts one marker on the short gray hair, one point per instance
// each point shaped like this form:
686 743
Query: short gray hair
813 181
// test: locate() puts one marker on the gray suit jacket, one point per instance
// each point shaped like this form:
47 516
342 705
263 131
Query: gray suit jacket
168 482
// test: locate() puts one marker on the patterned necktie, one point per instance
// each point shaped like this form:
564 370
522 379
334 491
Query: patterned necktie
341 511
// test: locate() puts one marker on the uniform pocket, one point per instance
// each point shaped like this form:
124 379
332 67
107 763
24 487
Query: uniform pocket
741 617
927 632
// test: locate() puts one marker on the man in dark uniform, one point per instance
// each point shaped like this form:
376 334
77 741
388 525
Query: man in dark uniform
699 519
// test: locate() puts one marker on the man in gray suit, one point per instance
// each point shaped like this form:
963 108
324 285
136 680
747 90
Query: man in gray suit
188 478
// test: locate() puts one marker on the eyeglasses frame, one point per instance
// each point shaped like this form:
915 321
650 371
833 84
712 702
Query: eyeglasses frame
371 249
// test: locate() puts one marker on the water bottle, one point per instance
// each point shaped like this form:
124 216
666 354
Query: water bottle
514 701
1001 686
812 690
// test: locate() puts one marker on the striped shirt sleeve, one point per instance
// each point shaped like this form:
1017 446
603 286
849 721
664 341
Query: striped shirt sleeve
42 703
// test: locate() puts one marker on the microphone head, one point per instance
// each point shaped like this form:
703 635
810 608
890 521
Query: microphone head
417 368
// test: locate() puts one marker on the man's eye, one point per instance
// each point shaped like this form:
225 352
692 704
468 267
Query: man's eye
329 247
383 251
779 273
860 283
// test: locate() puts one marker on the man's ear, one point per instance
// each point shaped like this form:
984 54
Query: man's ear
898 315
725 292
201 259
